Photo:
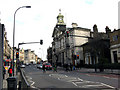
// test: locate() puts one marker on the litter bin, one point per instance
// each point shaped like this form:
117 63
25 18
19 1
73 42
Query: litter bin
12 83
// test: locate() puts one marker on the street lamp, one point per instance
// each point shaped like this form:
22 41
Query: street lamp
14 33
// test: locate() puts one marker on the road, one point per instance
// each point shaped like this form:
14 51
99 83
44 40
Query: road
72 79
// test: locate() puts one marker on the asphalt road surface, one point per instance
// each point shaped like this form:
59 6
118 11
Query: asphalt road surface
69 80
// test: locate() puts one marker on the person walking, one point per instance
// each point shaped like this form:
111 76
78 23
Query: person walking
71 66
44 68
55 68
66 67
10 71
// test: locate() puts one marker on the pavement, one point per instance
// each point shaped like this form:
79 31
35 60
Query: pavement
5 80
82 70
106 71
88 70
5 84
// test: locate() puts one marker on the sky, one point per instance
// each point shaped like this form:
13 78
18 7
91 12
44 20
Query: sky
38 22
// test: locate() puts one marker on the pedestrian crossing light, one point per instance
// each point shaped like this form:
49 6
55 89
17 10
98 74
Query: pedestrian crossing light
67 33
17 54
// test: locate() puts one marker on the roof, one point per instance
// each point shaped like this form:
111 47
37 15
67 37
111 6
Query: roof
79 28
93 41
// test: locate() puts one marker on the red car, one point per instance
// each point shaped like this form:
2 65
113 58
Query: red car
48 66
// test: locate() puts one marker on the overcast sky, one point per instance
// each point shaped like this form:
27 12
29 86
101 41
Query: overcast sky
38 22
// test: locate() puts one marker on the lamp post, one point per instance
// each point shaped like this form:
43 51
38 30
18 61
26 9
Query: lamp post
14 34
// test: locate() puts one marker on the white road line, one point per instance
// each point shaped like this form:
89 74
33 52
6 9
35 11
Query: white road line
58 78
91 85
79 82
80 79
33 83
75 84
72 80
107 85
33 87
66 76
50 75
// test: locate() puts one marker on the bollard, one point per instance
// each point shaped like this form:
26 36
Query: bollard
12 83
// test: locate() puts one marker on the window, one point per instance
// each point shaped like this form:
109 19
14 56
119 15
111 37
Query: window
115 38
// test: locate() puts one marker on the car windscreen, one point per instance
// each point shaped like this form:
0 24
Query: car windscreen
47 64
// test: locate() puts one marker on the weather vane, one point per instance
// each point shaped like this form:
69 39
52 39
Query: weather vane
60 10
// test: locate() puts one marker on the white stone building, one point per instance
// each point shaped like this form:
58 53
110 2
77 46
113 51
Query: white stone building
63 47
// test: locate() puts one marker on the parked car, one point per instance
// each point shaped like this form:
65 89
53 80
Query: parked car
39 66
27 64
48 66
22 66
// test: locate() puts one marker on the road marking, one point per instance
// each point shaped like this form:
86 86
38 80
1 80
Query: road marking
80 79
91 86
50 75
66 76
33 83
72 80
75 84
77 81
107 85
34 87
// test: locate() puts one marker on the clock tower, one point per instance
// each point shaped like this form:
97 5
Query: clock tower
60 22
60 17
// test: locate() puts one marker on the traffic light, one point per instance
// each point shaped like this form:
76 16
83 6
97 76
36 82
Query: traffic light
67 33
17 54
41 42
77 56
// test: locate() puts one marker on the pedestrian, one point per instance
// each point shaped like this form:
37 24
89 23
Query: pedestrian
71 66
55 68
44 68
66 67
10 71
4 72
18 68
